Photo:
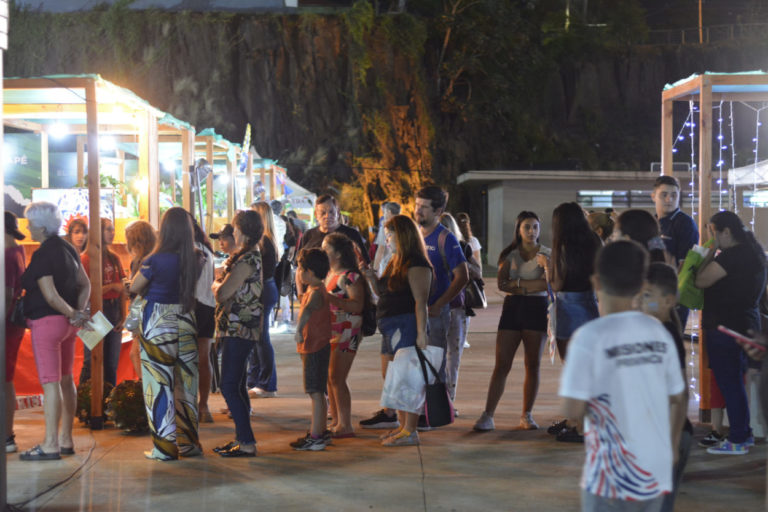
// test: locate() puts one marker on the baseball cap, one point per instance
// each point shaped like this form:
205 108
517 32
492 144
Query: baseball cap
226 231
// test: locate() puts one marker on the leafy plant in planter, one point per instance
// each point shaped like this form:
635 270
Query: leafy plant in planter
125 407
83 412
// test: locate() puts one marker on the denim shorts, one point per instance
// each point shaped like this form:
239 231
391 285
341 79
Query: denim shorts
397 332
572 310
316 370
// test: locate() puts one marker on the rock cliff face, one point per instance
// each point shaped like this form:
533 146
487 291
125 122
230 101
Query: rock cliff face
349 99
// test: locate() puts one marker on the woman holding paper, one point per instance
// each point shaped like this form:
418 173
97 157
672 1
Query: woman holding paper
169 358
113 297
57 291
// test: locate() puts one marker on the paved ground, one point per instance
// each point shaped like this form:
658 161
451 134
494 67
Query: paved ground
454 469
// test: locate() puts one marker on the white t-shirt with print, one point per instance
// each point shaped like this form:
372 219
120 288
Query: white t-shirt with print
625 366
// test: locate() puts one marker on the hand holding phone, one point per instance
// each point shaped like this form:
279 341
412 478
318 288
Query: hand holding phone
741 339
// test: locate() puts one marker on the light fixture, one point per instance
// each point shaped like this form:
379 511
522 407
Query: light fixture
58 130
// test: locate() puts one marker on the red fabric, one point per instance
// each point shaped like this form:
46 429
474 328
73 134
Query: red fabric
26 380
110 273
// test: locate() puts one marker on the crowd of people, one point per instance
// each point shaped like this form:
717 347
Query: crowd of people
604 294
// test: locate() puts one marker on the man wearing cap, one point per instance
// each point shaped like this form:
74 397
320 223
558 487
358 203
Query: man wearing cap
14 268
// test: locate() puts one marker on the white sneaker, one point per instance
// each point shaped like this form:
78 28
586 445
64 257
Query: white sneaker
400 439
527 422
484 423
466 344
260 393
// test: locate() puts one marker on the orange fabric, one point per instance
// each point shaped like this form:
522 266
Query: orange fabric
27 382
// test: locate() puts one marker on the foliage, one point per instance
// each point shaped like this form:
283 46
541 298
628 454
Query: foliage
83 412
359 21
125 407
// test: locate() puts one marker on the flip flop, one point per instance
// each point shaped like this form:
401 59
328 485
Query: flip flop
67 451
37 453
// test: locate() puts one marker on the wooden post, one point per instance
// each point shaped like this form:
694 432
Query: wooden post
272 183
667 157
153 162
705 212
142 176
121 175
44 167
231 189
249 180
263 176
80 160
173 184
209 185
187 160
94 250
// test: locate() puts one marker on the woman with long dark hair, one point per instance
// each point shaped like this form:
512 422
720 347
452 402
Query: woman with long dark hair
262 372
523 318
345 288
113 300
239 320
733 277
642 227
169 357
205 304
568 271
403 291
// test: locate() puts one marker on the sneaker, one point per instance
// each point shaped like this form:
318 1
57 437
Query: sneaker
484 423
328 437
423 426
390 433
381 420
261 393
10 444
308 443
466 344
729 448
712 439
556 427
402 440
527 422
569 435
750 442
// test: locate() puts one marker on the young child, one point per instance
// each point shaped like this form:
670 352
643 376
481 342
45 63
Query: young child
658 299
622 379
313 338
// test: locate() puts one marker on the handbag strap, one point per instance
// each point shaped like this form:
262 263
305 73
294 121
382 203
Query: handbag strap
423 359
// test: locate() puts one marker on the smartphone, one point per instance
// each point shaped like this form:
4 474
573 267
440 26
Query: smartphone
740 338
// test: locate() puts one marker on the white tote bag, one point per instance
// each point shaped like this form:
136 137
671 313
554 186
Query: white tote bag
404 384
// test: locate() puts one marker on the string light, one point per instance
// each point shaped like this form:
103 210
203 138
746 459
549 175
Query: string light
720 148
756 159
694 168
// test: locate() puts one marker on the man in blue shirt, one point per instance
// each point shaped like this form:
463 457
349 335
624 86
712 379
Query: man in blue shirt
678 230
448 261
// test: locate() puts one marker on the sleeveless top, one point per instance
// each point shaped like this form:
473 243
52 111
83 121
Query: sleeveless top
241 316
344 326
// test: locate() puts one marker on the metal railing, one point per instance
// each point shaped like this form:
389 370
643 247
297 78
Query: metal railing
710 34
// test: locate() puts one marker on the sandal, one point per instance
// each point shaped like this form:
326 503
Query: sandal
155 455
67 451
235 451
37 453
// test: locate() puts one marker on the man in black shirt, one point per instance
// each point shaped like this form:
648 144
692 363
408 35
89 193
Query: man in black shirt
328 221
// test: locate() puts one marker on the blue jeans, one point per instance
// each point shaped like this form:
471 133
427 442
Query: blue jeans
437 334
262 372
729 363
572 310
398 329
234 362
111 346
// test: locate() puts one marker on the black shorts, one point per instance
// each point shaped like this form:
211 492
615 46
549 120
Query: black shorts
316 370
524 313
206 323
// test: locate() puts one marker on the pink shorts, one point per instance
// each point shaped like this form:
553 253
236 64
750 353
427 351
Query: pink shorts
53 343
13 337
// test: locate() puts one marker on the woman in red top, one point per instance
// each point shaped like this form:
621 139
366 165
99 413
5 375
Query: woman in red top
14 268
113 295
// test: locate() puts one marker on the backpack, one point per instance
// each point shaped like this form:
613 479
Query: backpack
284 276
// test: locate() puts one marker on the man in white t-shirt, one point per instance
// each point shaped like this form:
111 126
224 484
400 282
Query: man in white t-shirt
622 378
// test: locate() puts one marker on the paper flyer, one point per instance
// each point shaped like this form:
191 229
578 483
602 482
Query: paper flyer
96 328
